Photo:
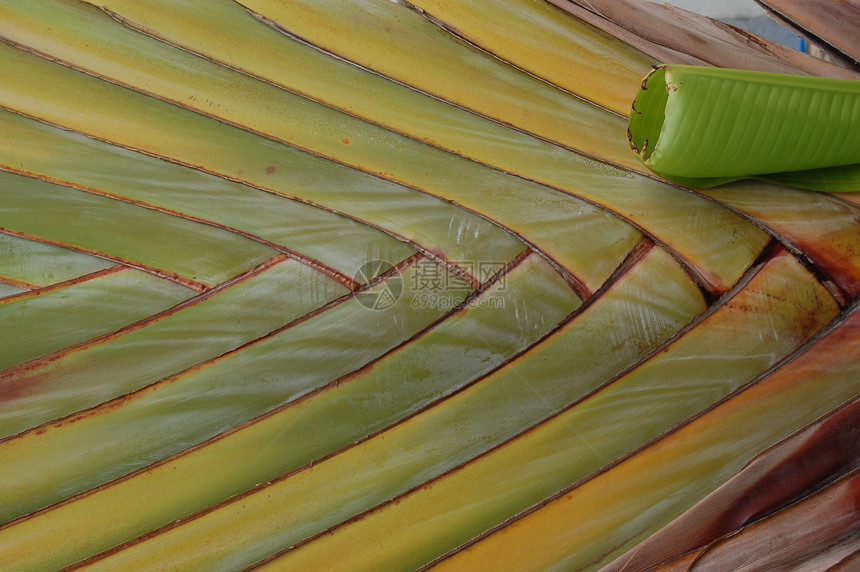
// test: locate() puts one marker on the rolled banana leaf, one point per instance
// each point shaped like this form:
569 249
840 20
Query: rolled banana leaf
702 126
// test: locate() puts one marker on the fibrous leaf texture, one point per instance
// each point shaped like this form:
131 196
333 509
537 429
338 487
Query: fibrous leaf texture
379 285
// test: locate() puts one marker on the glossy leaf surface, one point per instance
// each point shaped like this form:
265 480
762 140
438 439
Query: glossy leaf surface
165 344
379 285
106 301
35 264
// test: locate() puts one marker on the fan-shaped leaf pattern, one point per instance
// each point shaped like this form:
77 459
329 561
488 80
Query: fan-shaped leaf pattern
379 285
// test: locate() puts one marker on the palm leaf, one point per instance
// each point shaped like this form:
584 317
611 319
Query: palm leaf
378 285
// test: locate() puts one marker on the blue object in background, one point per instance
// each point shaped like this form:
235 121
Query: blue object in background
770 29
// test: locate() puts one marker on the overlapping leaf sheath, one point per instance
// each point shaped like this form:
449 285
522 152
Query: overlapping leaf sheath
657 208
786 473
631 499
673 35
379 285
832 24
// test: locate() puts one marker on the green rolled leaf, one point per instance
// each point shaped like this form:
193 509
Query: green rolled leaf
702 126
